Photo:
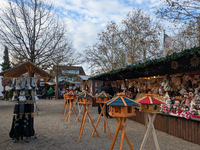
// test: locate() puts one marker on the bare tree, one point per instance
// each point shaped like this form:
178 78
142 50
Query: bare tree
182 11
140 35
107 53
65 55
32 31
183 39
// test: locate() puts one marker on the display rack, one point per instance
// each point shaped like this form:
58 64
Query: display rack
24 94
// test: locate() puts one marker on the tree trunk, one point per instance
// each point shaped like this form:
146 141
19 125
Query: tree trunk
56 89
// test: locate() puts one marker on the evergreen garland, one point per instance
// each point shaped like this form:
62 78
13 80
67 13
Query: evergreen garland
168 58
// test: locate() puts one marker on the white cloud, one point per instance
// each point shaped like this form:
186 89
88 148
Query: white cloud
85 18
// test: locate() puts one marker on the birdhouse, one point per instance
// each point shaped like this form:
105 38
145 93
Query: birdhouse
85 98
121 106
71 95
103 97
149 104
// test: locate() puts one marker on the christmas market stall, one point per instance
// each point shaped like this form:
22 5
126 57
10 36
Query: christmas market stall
24 94
173 79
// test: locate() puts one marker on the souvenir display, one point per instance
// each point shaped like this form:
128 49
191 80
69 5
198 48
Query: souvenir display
180 92
22 125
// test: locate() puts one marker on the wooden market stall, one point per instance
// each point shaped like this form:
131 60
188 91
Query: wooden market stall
175 79
24 93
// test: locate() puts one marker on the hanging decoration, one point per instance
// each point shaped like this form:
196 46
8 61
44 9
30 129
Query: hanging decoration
174 65
194 61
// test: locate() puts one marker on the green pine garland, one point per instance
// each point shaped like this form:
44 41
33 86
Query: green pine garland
168 58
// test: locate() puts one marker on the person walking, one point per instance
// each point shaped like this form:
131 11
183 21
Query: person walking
44 93
50 93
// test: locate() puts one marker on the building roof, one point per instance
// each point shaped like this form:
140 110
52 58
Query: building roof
84 77
80 68
149 100
19 70
121 100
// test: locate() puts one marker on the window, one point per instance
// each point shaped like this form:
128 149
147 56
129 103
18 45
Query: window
70 71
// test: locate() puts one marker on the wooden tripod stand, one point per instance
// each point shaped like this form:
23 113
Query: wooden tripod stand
122 128
149 119
71 101
103 111
65 106
85 114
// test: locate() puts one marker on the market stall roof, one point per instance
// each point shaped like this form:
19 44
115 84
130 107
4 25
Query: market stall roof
154 67
121 100
19 70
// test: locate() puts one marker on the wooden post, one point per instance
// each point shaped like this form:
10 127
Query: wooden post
146 125
85 114
105 121
150 126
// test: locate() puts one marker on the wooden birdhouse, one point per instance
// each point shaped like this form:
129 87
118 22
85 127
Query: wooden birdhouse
71 95
121 106
103 97
149 104
85 98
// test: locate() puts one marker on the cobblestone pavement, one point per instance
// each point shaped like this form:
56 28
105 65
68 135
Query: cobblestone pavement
54 133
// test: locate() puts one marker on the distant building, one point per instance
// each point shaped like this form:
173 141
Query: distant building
68 72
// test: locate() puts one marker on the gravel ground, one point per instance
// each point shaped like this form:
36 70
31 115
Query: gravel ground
54 133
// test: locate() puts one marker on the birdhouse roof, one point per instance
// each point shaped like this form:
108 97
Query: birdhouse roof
85 95
71 93
149 100
121 100
103 94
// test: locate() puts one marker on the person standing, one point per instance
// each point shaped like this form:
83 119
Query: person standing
108 89
44 93
98 92
50 93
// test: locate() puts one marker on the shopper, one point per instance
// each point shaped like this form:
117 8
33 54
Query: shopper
50 93
99 91
44 93
108 89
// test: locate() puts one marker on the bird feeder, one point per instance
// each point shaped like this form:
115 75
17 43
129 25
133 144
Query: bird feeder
86 100
69 100
122 107
103 97
150 106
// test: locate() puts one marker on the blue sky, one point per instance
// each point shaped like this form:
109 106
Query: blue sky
85 18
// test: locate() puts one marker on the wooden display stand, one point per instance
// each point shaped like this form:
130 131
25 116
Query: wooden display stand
70 97
150 106
102 98
65 105
86 100
122 107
